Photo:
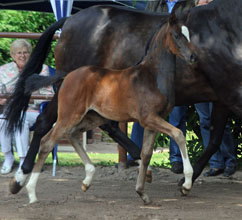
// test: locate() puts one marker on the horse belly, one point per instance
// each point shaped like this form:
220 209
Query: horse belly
115 100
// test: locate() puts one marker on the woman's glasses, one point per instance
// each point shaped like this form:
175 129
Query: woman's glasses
19 53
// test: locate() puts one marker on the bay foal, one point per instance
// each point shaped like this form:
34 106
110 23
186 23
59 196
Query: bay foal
90 95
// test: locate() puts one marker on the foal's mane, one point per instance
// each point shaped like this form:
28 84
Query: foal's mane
149 43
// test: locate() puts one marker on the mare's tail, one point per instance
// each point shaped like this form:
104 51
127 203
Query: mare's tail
36 82
18 102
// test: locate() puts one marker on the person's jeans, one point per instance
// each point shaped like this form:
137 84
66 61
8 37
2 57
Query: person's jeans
178 119
137 135
225 156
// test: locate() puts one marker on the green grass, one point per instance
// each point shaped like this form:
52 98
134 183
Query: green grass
72 159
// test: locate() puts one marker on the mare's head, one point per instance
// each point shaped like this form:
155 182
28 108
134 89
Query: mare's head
177 39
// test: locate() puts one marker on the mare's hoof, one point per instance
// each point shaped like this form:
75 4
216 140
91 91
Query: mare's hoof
14 186
85 187
184 191
148 176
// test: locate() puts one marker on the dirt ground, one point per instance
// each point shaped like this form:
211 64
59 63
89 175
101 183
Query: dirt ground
112 196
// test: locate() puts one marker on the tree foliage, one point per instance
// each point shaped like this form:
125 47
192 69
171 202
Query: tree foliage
23 21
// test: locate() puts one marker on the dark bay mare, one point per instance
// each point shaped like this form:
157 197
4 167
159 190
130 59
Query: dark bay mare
144 92
115 37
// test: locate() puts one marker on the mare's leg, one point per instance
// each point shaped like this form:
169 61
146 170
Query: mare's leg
114 131
43 124
122 153
219 118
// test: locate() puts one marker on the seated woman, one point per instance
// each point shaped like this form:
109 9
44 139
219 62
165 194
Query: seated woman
20 52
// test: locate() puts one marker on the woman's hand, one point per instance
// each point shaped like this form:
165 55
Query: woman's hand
3 101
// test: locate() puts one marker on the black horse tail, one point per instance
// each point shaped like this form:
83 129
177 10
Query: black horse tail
36 82
17 103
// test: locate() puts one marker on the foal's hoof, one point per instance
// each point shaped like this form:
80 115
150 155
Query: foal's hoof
85 187
148 202
14 186
184 191
148 176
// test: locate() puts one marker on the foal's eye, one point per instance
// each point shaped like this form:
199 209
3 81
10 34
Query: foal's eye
176 35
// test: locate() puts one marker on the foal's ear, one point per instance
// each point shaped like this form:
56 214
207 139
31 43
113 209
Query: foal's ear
173 19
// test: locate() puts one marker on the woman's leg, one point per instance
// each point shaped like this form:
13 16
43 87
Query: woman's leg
22 138
5 142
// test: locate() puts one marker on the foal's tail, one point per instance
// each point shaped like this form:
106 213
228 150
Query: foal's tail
18 102
36 82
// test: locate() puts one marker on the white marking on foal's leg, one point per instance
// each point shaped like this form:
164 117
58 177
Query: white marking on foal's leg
31 187
188 172
21 177
187 167
185 32
90 170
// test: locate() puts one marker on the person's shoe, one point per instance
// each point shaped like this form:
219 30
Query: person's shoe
177 167
228 171
6 169
213 172
132 163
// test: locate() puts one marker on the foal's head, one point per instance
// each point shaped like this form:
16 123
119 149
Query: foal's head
177 39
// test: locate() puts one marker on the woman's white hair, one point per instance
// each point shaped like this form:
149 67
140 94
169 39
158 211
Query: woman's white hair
20 43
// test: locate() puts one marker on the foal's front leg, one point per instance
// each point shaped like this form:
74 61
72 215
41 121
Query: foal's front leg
147 150
155 122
